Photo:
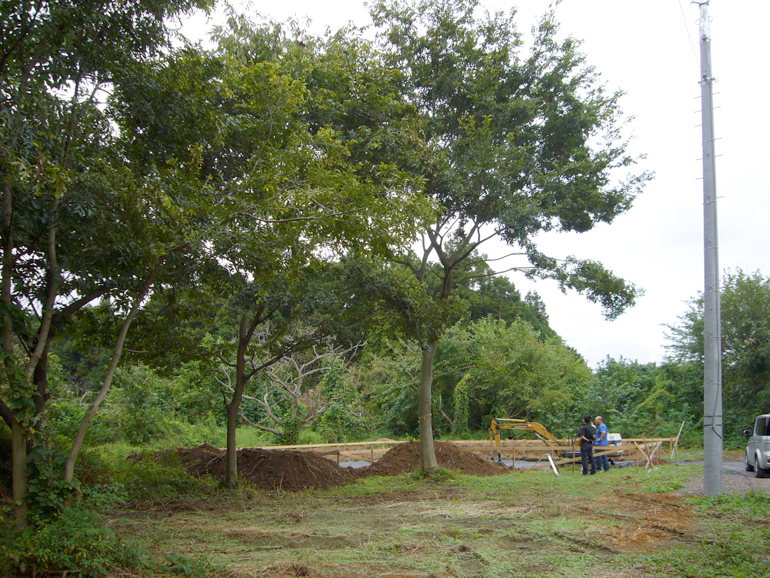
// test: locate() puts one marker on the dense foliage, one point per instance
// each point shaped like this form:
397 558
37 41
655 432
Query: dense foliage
745 303
199 241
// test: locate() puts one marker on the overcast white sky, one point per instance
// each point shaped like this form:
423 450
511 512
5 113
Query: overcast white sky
650 50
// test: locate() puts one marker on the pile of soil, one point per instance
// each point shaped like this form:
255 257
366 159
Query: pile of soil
405 458
288 470
294 470
265 469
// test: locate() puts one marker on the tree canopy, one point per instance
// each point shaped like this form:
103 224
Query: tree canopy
745 302
74 226
510 142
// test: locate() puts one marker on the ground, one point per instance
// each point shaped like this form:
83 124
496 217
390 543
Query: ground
626 523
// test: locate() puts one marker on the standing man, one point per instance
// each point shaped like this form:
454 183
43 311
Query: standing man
601 443
586 436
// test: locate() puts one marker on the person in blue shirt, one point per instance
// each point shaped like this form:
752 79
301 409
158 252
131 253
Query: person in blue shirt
601 443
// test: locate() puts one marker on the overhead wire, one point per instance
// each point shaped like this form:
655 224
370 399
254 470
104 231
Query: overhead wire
687 31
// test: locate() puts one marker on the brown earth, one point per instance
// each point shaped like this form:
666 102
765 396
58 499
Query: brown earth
659 518
294 470
405 458
268 470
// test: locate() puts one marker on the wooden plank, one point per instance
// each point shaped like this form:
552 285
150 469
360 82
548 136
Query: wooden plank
676 443
652 455
553 466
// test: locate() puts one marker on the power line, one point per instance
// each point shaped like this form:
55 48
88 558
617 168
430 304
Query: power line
687 31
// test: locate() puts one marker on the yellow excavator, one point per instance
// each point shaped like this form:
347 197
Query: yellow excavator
520 424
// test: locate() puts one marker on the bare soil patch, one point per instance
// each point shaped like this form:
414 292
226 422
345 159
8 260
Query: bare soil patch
657 518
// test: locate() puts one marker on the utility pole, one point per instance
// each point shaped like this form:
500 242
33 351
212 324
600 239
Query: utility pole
712 315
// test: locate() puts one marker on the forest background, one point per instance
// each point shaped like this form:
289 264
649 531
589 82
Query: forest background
218 246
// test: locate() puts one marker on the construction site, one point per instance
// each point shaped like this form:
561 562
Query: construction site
320 466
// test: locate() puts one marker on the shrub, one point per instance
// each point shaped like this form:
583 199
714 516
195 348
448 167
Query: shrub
146 479
76 543
48 492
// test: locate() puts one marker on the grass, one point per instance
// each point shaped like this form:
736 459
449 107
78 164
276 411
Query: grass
532 524
624 523
732 538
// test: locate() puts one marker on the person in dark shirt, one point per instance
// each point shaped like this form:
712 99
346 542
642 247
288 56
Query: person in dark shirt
586 436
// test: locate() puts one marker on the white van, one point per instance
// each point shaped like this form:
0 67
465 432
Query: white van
758 448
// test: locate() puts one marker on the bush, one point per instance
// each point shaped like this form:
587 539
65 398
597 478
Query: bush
145 479
64 417
76 543
48 492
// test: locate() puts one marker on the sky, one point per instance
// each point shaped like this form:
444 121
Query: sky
649 50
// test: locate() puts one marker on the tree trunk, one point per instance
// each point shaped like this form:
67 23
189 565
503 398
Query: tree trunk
69 465
231 457
19 474
244 337
427 451
18 438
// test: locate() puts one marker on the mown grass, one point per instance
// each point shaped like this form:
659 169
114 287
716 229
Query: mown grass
732 539
533 524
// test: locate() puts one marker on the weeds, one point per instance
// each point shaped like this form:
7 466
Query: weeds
751 504
732 538
77 542
437 477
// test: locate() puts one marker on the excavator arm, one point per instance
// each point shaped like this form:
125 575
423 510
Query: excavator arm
520 424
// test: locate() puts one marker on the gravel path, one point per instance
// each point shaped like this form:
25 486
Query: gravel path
734 481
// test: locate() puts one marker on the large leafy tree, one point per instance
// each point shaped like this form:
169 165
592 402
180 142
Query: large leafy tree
71 215
288 195
745 304
510 144
484 369
490 368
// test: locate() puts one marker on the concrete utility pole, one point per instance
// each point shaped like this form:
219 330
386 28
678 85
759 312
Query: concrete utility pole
712 314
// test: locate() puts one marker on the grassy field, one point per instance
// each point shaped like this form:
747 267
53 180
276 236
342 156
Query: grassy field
622 524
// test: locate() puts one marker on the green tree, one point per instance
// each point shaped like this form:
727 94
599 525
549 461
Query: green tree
490 368
644 399
485 368
386 379
486 293
745 305
69 208
288 200
508 144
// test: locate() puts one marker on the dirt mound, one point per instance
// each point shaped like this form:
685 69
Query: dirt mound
405 458
290 470
294 470
266 469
